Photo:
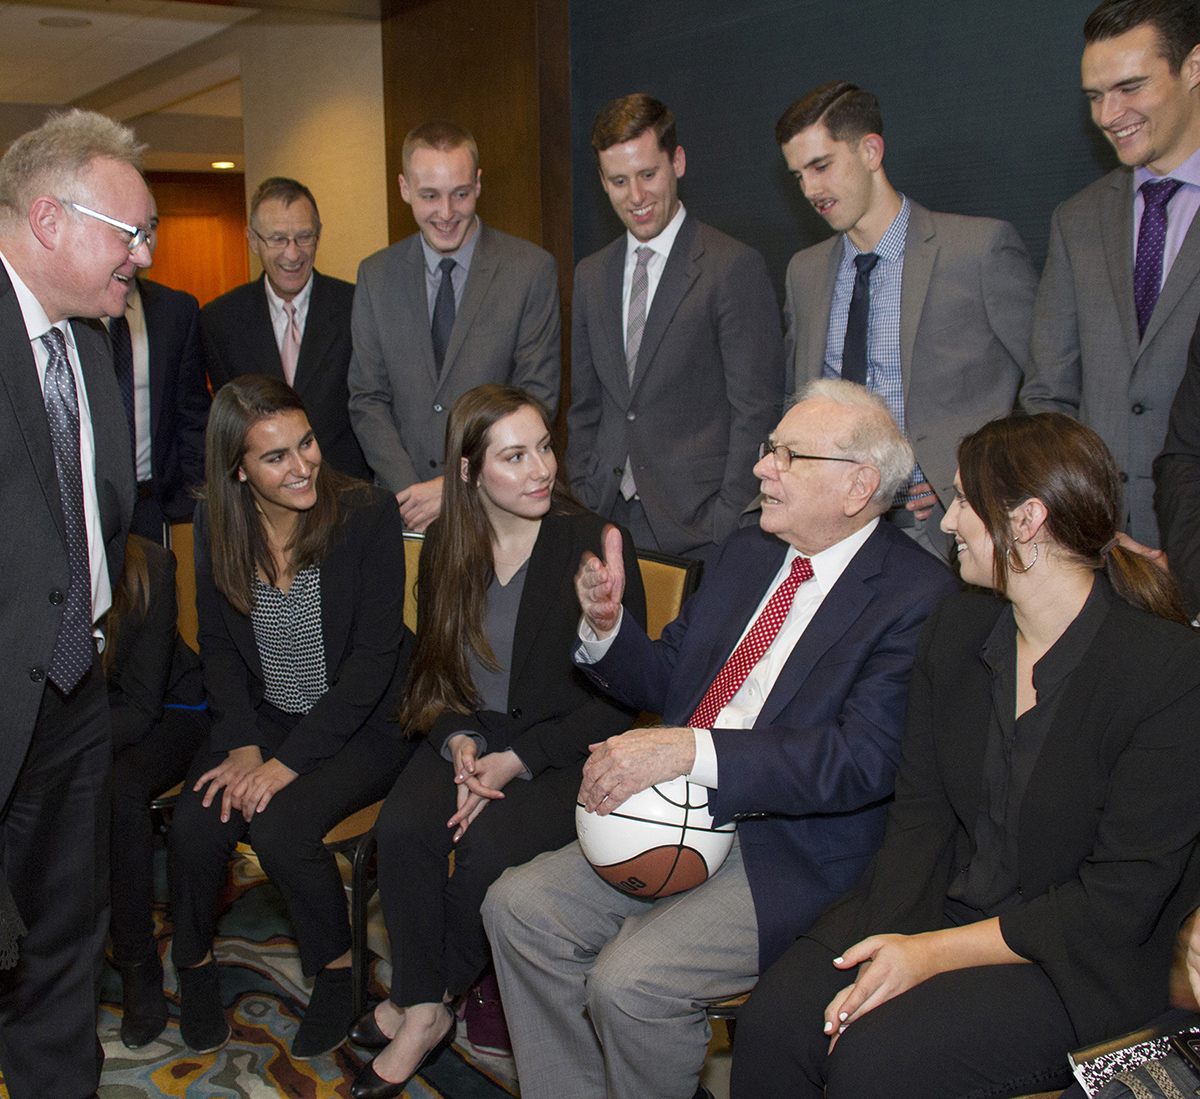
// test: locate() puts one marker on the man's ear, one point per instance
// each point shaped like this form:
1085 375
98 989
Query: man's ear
47 219
862 486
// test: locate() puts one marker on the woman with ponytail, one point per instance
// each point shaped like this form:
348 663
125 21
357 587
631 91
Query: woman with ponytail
1038 858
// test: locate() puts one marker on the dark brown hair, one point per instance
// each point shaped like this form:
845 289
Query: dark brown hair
438 134
628 118
457 565
1067 466
282 190
130 598
1176 21
849 113
237 544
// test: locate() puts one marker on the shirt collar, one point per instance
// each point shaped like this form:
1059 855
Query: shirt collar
462 257
300 301
663 243
830 563
37 324
1187 172
891 244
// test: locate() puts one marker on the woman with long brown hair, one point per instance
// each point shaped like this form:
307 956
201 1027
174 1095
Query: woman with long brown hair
1040 854
503 716
300 590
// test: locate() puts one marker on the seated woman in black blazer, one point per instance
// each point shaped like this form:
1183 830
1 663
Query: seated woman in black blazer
300 592
496 699
1038 858
159 722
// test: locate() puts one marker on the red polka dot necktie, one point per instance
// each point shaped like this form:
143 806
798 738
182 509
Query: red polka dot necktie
741 662
1152 239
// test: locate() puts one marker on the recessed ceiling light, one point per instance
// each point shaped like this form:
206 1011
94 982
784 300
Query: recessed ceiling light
65 22
223 164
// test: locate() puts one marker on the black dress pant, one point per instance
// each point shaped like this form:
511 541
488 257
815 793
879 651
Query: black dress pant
433 923
287 838
141 772
989 1032
54 835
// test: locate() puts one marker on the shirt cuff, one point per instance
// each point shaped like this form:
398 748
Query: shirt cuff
704 767
593 650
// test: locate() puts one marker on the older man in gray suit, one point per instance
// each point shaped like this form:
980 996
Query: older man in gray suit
1121 289
931 311
456 305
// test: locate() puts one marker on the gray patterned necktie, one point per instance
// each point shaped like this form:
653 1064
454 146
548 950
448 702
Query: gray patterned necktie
73 646
639 291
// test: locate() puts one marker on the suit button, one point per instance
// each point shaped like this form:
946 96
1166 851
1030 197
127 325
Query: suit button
1137 409
433 463
515 713
617 471
437 408
56 597
630 417
37 675
1124 477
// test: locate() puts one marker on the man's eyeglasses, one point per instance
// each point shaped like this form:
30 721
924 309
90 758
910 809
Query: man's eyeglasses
137 237
784 456
277 242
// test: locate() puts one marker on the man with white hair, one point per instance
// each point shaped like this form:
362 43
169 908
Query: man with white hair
74 218
782 684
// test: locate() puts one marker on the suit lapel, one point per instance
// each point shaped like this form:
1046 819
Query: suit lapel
1182 274
479 278
920 254
261 348
612 324
420 337
681 270
18 374
551 557
1116 234
157 368
817 334
839 610
319 332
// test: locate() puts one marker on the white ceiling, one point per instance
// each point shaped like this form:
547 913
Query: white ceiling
57 64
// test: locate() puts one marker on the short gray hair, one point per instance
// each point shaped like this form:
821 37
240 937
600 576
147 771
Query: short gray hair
876 439
51 159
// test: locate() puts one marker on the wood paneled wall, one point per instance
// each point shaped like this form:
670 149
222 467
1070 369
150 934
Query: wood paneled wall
503 71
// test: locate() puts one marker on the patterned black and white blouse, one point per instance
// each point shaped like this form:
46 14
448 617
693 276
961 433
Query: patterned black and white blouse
287 630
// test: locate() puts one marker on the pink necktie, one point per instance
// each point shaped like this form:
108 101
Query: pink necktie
750 651
290 351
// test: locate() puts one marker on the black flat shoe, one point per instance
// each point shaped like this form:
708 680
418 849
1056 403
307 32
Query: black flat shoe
202 1024
143 1003
366 1033
368 1084
328 1016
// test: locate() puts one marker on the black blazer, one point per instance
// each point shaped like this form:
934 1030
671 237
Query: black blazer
238 339
554 712
152 664
367 645
1108 822
179 397
33 551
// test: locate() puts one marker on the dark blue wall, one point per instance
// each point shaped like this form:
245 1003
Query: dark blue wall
981 104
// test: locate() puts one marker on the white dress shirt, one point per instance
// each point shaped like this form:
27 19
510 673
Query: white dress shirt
742 710
279 317
37 324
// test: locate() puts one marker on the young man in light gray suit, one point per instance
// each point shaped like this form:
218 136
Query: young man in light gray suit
676 354
1121 288
455 305
931 311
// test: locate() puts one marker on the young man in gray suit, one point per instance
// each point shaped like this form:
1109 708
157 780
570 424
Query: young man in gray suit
676 356
1121 288
456 305
931 311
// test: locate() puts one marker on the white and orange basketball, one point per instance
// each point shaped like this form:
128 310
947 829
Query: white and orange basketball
658 842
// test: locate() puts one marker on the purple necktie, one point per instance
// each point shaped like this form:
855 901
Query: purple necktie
1152 238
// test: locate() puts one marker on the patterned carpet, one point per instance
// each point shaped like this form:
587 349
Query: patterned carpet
265 992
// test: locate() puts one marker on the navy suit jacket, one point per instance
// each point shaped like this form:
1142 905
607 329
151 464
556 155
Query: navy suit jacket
239 339
179 397
809 783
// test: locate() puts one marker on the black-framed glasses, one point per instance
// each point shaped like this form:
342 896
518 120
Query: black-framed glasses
277 242
137 236
784 456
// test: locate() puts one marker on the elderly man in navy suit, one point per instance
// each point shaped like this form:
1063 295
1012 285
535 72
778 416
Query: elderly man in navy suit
819 611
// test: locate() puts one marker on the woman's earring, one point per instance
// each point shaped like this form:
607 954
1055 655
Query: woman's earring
1008 555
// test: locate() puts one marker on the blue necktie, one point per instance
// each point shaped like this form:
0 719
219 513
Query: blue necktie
73 646
1152 239
443 313
854 347
118 331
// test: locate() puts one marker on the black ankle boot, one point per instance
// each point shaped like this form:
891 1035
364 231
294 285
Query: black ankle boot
144 1004
202 1023
328 1016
